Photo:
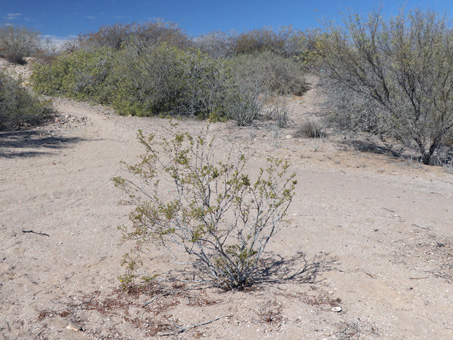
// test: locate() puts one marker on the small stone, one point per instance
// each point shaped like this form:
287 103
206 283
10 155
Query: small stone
336 309
74 327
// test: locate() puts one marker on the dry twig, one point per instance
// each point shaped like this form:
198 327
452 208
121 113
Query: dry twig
186 328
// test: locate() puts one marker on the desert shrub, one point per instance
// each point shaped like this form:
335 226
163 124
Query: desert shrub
299 46
244 105
167 80
187 201
269 72
47 51
152 80
395 77
308 49
17 105
283 41
16 43
278 109
310 129
216 44
80 75
150 33
256 41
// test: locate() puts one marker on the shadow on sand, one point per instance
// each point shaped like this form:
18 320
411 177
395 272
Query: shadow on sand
276 269
443 155
30 143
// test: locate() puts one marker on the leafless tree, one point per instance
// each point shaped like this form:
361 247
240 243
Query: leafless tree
395 76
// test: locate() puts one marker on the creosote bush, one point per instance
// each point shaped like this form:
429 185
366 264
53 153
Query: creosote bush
187 201
18 106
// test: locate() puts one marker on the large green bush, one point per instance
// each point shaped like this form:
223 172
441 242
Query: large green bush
167 80
17 105
80 75
144 81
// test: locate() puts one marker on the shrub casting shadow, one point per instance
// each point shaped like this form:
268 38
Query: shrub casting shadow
444 154
299 269
31 140
372 147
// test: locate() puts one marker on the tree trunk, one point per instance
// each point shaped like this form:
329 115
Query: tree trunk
426 157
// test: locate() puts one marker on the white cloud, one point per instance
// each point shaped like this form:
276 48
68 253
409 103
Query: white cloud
90 17
12 16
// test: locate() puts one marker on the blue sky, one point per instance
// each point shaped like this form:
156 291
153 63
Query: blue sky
66 19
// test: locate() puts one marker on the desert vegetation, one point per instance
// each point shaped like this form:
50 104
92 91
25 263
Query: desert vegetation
16 43
17 106
216 237
216 212
387 77
144 70
392 78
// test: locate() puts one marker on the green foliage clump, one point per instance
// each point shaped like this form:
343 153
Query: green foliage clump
143 81
17 105
213 211
119 67
166 80
81 75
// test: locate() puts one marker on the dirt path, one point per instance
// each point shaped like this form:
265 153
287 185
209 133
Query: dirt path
374 234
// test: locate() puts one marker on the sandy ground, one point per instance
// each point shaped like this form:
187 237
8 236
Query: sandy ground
368 233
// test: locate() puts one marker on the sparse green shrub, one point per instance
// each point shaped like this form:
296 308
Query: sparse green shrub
80 75
17 105
188 201
278 109
16 43
269 72
244 105
392 78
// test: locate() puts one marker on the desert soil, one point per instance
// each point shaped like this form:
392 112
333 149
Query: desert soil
368 253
